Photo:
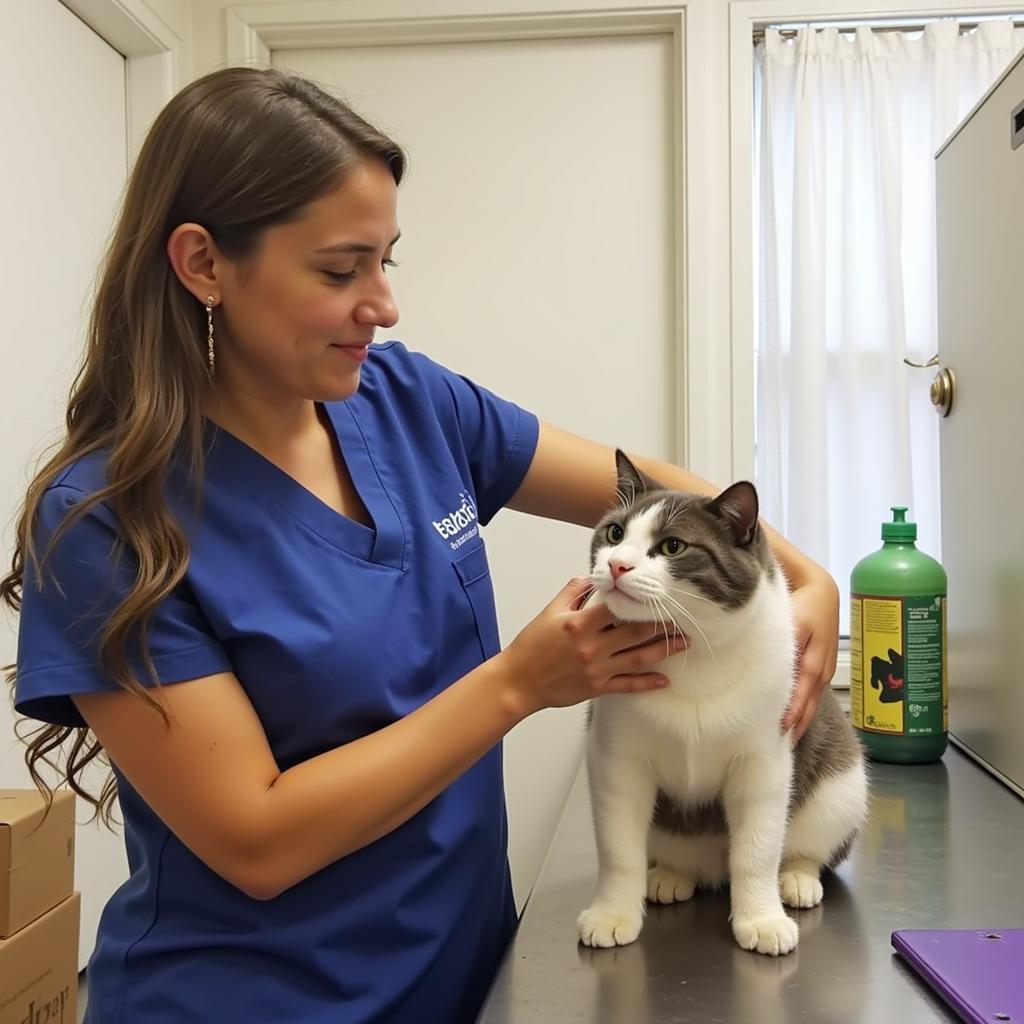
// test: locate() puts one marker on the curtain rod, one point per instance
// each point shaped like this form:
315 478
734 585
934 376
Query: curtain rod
790 33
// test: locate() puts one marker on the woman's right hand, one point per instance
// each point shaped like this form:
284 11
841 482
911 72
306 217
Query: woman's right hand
567 655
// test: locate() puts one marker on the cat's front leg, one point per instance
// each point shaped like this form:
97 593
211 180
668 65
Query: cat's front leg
622 792
756 798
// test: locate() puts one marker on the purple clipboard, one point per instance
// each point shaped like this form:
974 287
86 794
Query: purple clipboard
979 974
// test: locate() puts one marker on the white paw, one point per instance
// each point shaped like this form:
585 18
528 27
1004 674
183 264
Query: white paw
800 889
610 926
666 886
773 936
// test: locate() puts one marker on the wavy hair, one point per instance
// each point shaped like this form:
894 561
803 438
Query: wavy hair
237 151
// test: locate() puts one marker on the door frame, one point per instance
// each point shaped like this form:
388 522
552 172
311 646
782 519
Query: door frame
153 57
702 384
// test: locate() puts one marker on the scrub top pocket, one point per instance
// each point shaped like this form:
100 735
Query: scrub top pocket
475 574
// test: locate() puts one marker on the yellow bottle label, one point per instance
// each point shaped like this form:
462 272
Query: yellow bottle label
897 665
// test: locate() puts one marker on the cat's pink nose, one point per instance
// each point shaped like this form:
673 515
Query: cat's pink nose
618 567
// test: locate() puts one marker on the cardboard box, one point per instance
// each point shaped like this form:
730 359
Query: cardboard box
37 855
39 969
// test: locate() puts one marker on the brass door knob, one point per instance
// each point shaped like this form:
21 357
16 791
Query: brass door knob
942 391
943 386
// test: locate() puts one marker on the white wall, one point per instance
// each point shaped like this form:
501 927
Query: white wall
209 39
177 16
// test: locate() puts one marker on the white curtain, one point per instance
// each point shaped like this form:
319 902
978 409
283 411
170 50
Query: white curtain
847 127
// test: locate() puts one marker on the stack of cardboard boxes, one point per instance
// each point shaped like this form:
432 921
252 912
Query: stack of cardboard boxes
39 909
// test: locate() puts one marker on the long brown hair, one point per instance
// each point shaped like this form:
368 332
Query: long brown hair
236 151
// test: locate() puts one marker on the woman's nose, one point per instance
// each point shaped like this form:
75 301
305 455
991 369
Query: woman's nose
380 309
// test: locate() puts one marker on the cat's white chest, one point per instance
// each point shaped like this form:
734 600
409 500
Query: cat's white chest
689 771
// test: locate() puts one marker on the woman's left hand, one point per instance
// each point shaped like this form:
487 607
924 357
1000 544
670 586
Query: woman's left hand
816 612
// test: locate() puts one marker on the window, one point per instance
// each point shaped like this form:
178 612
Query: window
846 127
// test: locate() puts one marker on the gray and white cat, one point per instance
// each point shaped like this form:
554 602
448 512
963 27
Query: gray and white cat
695 785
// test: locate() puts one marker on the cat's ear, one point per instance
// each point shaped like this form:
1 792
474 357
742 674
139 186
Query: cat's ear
738 506
632 481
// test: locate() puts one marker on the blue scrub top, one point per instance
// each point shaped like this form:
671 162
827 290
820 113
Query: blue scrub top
334 630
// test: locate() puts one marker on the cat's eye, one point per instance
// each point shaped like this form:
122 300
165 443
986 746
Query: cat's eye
671 546
614 533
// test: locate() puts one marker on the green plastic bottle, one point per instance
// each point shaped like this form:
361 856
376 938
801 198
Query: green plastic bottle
899 701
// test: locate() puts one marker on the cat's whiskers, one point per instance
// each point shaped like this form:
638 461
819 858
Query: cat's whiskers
661 622
671 618
647 594
594 579
692 618
696 597
650 592
645 588
644 584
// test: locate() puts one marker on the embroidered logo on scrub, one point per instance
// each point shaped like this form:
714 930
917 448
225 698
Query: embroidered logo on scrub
459 525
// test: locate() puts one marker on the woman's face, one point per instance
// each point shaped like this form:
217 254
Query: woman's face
296 318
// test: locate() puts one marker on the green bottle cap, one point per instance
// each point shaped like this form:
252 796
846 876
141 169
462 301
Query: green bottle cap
899 530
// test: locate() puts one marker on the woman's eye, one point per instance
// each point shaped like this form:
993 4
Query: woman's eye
671 546
615 533
343 277
338 277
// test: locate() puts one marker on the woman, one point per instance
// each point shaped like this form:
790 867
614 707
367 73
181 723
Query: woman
255 505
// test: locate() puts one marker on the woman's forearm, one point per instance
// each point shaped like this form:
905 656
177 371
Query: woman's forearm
348 797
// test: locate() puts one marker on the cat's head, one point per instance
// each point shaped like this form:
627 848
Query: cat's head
673 557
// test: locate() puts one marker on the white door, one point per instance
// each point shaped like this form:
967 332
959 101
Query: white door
980 198
536 258
62 113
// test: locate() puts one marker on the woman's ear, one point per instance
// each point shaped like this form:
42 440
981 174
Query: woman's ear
196 261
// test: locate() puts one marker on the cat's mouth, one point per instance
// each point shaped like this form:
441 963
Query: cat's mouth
620 592
623 599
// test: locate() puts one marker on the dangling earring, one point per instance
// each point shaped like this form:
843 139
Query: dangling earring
211 360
